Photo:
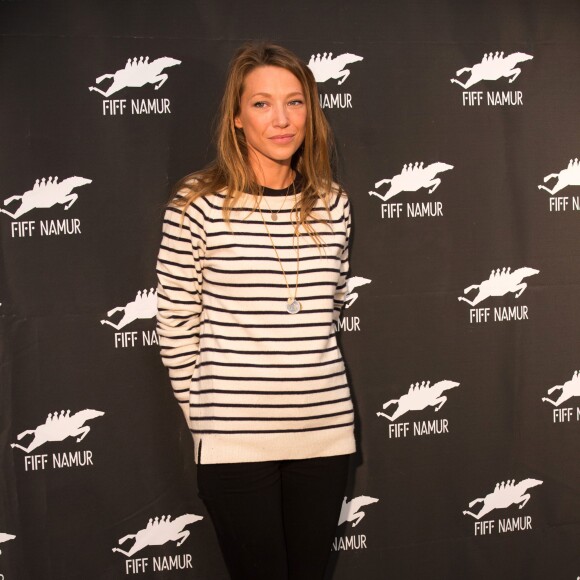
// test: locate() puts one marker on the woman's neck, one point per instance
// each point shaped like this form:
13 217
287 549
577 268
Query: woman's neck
276 177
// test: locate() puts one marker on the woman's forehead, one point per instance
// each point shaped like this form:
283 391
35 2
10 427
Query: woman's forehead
270 79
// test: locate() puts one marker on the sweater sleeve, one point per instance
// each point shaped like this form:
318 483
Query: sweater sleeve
341 289
179 296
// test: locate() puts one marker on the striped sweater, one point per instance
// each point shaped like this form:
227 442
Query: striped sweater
254 382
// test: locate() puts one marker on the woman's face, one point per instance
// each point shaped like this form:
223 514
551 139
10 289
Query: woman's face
272 116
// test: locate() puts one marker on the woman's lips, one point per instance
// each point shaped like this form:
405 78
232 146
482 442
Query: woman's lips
281 139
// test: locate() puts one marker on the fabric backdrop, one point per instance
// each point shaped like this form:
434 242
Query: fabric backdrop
457 126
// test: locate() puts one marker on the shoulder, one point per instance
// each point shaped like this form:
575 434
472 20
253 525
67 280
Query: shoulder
337 189
337 192
195 189
193 201
339 199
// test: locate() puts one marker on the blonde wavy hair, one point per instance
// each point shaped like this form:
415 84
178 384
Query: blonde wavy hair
231 172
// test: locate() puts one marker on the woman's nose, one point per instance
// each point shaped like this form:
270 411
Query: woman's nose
280 116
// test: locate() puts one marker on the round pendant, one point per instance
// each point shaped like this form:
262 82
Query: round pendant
293 307
274 217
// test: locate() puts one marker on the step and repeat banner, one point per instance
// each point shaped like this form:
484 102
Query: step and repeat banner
458 140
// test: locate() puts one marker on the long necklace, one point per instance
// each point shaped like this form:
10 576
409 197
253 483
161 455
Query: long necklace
274 214
292 305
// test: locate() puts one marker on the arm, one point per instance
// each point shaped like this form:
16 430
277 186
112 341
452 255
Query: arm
340 293
179 298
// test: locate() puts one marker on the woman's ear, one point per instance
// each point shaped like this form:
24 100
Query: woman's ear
237 123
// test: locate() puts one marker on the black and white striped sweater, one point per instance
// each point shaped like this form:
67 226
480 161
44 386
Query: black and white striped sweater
254 382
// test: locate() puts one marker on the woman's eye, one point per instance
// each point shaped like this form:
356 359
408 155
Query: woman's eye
260 104
296 102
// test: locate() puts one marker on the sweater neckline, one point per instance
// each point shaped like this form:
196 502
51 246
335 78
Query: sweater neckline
296 186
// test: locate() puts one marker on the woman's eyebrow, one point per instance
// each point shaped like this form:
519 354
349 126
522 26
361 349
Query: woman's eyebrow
292 94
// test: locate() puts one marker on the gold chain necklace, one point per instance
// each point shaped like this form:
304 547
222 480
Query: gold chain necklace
292 306
274 215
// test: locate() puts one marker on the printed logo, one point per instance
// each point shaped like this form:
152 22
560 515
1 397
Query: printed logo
569 389
419 397
58 427
412 178
505 494
352 283
568 176
352 512
491 68
159 531
327 67
44 194
499 283
352 323
5 538
137 73
144 306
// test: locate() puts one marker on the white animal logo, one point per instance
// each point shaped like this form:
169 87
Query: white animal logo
568 176
419 397
325 67
158 532
46 193
493 67
58 427
137 72
351 284
144 306
505 494
5 538
499 283
412 178
351 510
569 389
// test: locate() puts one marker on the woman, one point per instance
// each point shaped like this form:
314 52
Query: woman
252 275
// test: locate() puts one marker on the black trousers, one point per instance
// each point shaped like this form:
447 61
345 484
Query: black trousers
275 520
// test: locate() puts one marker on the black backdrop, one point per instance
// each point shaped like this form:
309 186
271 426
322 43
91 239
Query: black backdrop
65 503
